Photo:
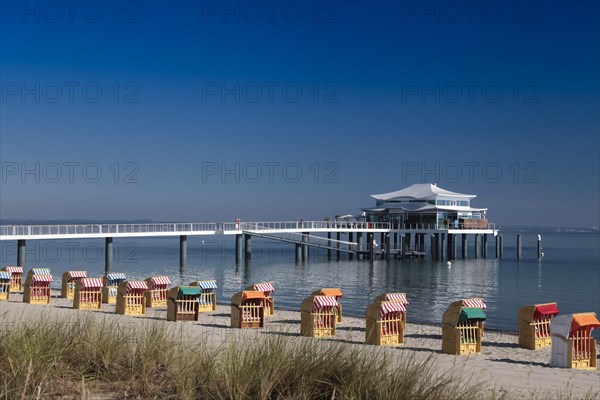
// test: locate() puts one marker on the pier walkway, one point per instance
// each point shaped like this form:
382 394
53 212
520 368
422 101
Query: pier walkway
394 240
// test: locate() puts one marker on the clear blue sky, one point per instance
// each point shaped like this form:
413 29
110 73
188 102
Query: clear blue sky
213 110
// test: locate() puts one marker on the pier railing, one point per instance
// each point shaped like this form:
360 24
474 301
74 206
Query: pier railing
324 225
7 231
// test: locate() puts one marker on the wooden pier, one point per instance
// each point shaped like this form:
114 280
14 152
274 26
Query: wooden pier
359 240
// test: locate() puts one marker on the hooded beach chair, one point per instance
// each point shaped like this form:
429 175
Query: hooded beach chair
335 292
69 279
111 282
5 279
397 298
157 293
572 343
88 294
534 325
37 286
462 327
318 316
268 303
386 320
131 298
16 280
208 295
183 303
247 309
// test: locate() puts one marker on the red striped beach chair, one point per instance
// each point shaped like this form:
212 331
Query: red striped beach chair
157 293
386 320
69 279
88 294
319 316
131 298
37 286
335 292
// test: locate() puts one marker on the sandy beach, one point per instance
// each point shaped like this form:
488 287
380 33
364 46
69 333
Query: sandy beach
501 365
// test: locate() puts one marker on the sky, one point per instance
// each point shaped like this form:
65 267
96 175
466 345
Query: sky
287 110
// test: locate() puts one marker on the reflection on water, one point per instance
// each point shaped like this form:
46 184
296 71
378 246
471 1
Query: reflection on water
568 274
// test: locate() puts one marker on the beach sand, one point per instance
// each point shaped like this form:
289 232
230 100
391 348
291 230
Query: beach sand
501 365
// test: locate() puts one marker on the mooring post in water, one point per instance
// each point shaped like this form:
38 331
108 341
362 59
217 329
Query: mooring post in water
182 252
21 250
539 246
108 254
518 247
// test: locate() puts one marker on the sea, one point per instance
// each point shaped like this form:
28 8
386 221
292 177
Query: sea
568 273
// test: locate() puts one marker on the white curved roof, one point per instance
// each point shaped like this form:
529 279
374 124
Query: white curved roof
424 191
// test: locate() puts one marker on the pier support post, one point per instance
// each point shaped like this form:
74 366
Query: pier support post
484 245
436 246
338 238
539 246
359 240
238 248
401 246
407 241
518 247
454 246
182 252
247 247
463 245
476 252
501 246
387 246
304 246
108 254
328 245
395 244
298 252
350 239
443 237
432 245
497 246
21 253
370 246
450 245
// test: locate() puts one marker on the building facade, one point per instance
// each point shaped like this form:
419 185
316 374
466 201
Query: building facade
426 206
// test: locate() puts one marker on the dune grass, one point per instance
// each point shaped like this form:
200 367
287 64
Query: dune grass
100 357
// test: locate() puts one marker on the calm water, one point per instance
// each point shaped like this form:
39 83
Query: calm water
569 272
